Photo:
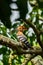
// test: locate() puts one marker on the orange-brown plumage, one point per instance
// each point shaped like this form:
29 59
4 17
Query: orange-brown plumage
21 28
21 37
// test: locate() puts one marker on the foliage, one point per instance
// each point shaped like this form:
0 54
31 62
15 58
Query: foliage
36 17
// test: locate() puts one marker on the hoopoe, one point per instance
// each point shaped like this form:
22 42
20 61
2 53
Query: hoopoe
22 38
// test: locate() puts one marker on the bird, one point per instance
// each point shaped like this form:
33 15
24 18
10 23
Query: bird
22 38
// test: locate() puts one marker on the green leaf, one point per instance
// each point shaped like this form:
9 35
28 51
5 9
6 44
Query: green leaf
1 63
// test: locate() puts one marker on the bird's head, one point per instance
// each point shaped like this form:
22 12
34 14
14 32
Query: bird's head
21 28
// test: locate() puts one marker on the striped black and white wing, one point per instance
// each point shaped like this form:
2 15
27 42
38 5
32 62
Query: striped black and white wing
24 40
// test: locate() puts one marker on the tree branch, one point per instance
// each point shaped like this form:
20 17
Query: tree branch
28 58
37 32
29 51
38 60
9 42
17 46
